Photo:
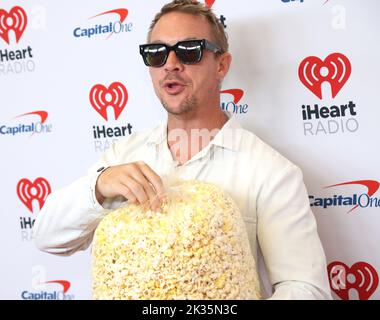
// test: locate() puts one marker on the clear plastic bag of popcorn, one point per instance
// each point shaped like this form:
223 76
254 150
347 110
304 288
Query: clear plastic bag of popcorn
196 248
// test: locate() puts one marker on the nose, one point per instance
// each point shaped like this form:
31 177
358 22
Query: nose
172 63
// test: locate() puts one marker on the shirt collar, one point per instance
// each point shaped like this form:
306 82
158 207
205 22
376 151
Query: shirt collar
158 134
228 137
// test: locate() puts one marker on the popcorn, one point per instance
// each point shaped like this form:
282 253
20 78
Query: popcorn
197 248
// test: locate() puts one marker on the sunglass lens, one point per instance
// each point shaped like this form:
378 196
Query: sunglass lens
155 55
189 52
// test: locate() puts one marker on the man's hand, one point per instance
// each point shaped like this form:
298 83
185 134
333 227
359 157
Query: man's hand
135 181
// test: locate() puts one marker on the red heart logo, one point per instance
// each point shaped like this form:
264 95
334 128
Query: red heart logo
116 96
15 20
365 280
209 3
28 191
337 69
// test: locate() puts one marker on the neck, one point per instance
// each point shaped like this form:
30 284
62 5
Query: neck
190 133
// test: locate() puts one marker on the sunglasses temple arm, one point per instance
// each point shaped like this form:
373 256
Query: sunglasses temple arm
210 46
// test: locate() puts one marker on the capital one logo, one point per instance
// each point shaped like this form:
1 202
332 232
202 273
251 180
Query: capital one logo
28 127
109 28
287 1
28 191
44 294
335 69
363 200
64 283
237 94
122 13
361 277
115 96
40 113
371 185
209 3
16 21
233 105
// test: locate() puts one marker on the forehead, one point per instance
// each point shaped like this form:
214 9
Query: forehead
175 26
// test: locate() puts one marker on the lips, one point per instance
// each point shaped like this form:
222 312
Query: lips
173 87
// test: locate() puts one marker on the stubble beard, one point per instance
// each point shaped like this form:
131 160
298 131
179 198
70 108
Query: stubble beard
186 106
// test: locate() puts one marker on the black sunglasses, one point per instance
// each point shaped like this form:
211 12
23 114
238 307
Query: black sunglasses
187 52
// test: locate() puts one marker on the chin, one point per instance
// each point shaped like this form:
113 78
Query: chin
180 108
176 110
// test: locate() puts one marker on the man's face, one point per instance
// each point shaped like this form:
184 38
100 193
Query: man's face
184 88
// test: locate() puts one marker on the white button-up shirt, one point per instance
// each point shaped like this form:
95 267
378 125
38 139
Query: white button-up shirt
268 189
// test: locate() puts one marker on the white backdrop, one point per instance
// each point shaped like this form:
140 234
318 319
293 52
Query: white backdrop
47 72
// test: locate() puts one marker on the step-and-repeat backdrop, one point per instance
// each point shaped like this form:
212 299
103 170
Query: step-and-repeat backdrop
304 78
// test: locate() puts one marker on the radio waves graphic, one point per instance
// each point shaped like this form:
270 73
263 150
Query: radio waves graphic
365 280
116 96
15 20
336 66
28 191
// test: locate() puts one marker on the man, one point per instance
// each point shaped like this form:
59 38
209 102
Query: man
187 55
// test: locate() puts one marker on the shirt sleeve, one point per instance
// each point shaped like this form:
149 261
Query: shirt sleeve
69 217
288 238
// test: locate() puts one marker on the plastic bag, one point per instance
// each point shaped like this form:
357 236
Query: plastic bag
196 248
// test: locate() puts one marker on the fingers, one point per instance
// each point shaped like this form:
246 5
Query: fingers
152 177
137 182
138 188
141 183
151 183
127 193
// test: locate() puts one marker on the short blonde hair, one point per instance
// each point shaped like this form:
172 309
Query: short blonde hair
197 9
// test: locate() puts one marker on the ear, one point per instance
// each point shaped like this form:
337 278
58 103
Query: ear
224 65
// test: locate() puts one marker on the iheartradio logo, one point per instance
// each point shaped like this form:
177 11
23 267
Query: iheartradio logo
115 96
335 69
28 191
16 21
361 276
